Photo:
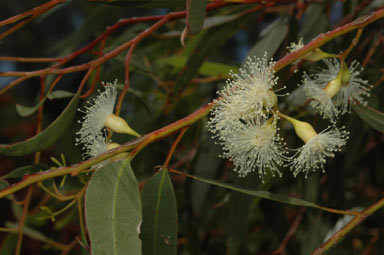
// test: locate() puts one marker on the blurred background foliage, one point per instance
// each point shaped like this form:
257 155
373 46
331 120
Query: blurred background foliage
168 82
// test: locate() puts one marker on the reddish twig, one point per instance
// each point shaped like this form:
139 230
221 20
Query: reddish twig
20 227
173 147
34 13
40 115
95 63
29 60
328 36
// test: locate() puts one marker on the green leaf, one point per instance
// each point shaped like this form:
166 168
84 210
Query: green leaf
8 245
207 45
159 228
271 38
259 193
113 210
21 171
207 164
47 137
31 232
195 15
372 117
58 94
240 205
208 68
25 111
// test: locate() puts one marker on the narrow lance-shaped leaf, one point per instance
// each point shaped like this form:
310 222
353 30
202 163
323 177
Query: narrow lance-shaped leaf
195 15
45 138
159 228
113 210
372 117
259 193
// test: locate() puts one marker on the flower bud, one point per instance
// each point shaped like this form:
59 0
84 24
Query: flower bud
316 55
119 125
303 130
333 87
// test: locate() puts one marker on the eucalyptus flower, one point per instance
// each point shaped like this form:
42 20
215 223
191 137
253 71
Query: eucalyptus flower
99 114
317 147
320 100
342 84
98 144
255 147
246 96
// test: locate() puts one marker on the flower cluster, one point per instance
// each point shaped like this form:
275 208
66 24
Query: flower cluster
244 118
335 89
99 114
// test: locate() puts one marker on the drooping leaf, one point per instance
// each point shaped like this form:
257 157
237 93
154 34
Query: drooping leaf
21 171
57 94
259 193
29 231
25 111
45 138
271 38
206 46
113 210
195 15
208 68
207 164
9 244
372 117
159 228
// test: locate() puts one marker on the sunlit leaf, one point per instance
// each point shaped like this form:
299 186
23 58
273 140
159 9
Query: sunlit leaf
113 210
159 228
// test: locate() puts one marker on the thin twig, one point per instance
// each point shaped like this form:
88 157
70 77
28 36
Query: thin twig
20 227
173 147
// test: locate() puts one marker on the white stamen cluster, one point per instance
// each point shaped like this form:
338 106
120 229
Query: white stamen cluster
91 134
255 147
243 121
320 101
296 46
313 154
352 90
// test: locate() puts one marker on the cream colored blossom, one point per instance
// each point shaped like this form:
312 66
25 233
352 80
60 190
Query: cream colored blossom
312 155
352 89
247 96
255 147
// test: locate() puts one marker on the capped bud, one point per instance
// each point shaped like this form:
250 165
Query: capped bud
304 130
316 55
119 125
333 87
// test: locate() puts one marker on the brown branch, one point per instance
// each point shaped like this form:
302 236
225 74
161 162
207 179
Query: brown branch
34 13
20 227
173 147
